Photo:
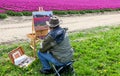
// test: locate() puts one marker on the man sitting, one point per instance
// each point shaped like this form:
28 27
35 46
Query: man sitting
56 48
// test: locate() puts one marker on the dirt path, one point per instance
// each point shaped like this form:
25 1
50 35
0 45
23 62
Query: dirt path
16 28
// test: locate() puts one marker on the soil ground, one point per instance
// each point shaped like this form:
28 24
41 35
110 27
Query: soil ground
16 28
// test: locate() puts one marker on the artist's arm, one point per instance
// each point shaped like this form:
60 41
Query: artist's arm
47 43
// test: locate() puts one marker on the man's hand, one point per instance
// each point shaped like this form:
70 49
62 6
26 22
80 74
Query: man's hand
41 46
41 50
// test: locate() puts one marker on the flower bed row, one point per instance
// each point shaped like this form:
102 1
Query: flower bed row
32 5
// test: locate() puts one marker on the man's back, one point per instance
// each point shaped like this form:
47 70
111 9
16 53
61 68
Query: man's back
63 51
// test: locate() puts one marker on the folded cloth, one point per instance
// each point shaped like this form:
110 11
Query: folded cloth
20 59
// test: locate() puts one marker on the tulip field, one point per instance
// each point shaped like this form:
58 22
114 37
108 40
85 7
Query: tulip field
96 50
59 7
32 5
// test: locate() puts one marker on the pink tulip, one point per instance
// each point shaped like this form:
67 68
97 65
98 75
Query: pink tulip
33 5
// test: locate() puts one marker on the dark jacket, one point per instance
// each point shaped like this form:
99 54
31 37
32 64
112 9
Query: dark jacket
57 42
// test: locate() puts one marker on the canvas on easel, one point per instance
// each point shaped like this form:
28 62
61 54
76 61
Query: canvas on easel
18 57
39 22
39 27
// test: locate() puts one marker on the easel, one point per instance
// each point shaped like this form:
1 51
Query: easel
34 36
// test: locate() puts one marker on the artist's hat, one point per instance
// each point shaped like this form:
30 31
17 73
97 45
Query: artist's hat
53 22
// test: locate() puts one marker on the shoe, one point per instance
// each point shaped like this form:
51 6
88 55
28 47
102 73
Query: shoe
69 68
47 71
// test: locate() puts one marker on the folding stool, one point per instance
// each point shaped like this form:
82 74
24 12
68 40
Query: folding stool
57 70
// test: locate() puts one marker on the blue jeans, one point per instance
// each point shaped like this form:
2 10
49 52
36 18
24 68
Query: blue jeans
47 57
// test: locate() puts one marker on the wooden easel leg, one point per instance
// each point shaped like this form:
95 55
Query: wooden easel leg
34 49
32 43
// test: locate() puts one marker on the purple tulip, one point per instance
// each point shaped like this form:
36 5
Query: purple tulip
33 5
2 11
